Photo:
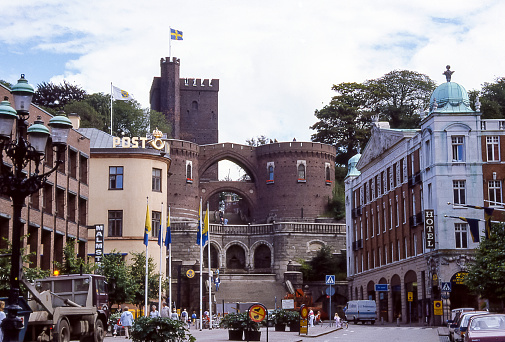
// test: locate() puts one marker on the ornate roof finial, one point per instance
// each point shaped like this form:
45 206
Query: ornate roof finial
477 105
448 73
435 104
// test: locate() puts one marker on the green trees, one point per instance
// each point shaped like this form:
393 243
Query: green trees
486 274
137 274
325 262
493 99
121 285
129 118
394 97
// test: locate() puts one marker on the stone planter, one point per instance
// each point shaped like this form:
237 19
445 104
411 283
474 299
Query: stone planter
252 335
294 326
235 335
280 327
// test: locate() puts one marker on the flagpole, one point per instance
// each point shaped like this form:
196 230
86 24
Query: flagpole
160 240
169 43
111 96
169 268
210 271
146 309
201 264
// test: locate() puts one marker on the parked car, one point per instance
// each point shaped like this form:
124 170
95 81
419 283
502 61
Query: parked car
451 323
486 328
462 324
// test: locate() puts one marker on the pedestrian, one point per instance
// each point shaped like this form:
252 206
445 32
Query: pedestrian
184 317
217 282
311 318
317 319
126 321
165 311
337 320
154 313
193 318
2 316
174 315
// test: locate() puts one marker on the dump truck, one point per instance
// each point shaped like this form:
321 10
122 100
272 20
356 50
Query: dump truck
68 307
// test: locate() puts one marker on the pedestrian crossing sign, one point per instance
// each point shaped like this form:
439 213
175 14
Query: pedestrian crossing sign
330 280
446 287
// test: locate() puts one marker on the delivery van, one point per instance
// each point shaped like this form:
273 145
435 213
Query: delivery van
361 310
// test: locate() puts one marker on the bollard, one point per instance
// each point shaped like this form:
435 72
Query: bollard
398 322
382 320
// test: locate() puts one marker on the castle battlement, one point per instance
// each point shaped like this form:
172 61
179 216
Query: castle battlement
174 60
198 83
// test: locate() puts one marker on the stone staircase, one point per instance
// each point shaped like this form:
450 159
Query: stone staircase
261 288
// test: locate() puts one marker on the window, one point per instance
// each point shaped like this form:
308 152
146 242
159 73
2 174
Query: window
301 171
115 177
34 200
458 148
461 235
493 148
494 189
72 163
458 187
189 171
397 223
115 223
82 211
415 244
328 173
48 199
270 172
155 223
83 169
71 206
60 203
156 179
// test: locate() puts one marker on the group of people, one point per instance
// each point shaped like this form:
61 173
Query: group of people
316 319
126 318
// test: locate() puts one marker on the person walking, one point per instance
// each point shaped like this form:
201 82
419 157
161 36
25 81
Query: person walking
311 318
184 317
126 320
154 313
174 315
165 312
2 316
193 318
337 320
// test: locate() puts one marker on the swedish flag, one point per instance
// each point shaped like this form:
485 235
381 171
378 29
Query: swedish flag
175 34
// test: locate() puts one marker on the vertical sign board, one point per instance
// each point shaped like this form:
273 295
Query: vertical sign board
429 228
98 243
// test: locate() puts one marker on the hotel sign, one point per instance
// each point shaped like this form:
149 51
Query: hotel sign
140 142
429 227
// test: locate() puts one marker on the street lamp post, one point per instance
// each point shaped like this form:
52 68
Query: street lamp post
26 146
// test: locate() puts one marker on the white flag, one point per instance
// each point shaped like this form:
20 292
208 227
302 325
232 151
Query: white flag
120 94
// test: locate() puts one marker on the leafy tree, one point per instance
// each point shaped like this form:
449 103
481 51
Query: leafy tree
137 274
56 96
158 120
7 84
117 274
325 262
336 206
90 117
493 99
71 263
30 273
487 273
345 121
257 141
395 97
405 92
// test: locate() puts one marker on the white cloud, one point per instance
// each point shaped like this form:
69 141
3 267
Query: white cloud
276 61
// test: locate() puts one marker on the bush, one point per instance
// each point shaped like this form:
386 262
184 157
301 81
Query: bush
293 316
160 329
280 316
238 321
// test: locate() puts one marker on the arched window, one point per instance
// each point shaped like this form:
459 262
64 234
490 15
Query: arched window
327 173
301 171
189 171
270 170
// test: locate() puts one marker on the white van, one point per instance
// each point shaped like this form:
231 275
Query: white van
361 310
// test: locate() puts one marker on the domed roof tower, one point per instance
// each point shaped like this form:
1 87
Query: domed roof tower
450 97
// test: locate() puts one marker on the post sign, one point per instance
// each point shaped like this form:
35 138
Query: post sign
410 296
330 279
99 231
429 227
257 312
190 273
437 308
446 287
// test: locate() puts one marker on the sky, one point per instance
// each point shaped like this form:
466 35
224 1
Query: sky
276 60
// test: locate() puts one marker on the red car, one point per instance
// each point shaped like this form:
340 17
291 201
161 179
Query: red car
486 328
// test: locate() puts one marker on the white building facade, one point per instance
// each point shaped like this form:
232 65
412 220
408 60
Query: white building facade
402 177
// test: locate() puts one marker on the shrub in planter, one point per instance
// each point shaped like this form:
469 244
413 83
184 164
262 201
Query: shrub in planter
160 329
280 318
293 318
235 323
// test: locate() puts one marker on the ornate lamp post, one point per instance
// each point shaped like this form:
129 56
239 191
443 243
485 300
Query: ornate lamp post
26 145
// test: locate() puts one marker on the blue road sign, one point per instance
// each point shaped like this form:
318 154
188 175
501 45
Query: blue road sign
446 287
381 287
330 280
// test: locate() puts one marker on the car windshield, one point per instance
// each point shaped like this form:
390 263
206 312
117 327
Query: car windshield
487 322
463 322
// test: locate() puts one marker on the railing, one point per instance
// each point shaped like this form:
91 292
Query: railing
263 229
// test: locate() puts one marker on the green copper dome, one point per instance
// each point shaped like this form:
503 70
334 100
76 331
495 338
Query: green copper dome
352 171
450 97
